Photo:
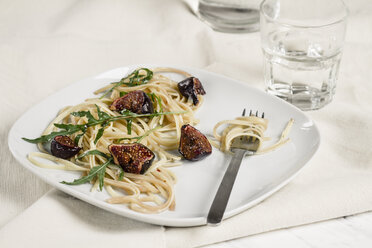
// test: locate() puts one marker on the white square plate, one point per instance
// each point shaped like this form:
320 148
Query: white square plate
259 176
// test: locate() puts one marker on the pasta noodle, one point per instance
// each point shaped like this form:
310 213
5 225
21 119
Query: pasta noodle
250 126
151 192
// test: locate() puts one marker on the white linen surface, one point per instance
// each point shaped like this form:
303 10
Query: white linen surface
47 45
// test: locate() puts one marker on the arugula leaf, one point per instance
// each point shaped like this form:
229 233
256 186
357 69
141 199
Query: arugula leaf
93 152
129 126
86 114
68 127
102 114
101 178
49 137
98 171
154 98
103 120
126 112
136 79
133 79
121 176
78 137
123 93
99 134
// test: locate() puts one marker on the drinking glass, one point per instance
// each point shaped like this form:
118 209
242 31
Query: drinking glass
302 43
230 16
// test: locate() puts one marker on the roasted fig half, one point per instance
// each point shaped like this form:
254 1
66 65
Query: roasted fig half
63 147
193 144
135 101
133 158
191 87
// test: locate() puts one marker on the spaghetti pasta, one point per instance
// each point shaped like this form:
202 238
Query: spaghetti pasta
151 192
250 126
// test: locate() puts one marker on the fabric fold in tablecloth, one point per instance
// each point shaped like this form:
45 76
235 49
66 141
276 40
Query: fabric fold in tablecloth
46 45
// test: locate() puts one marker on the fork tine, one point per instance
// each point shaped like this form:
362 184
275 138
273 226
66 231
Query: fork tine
251 114
243 114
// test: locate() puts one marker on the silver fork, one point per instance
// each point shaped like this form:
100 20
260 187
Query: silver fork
240 146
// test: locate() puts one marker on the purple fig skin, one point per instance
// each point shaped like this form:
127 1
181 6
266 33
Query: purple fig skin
193 144
191 87
63 147
133 158
147 107
135 101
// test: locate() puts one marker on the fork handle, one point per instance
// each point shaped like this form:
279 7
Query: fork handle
221 199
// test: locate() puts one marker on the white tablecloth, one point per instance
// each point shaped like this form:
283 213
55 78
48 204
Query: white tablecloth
47 45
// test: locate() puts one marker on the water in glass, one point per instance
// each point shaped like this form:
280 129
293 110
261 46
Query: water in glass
302 43
300 71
